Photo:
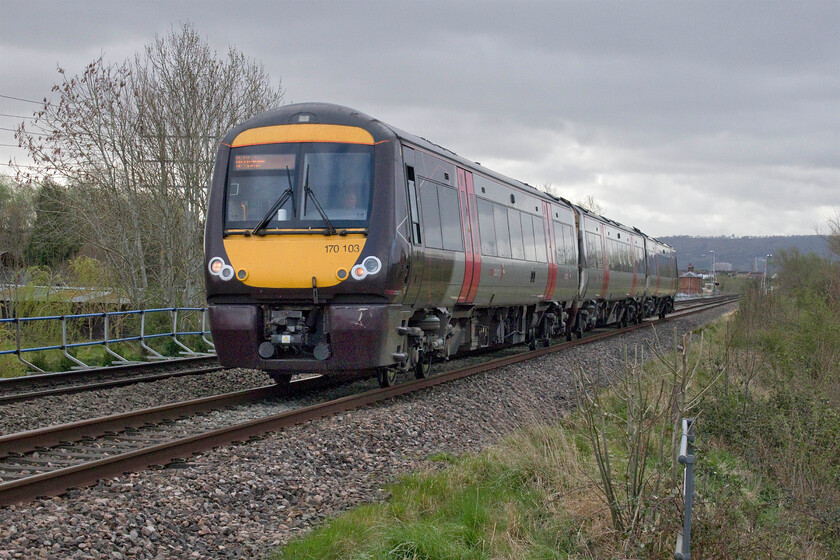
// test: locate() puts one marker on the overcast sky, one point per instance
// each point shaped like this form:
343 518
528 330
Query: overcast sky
699 118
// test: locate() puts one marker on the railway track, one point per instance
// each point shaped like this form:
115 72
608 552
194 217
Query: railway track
15 389
28 387
51 460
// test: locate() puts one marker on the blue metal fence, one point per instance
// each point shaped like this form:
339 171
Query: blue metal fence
176 331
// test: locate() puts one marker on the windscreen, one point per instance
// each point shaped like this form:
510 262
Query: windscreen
286 184
257 179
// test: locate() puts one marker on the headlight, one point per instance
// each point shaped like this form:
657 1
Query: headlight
369 267
359 272
372 265
218 267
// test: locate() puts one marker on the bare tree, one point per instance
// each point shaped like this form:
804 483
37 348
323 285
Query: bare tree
134 144
833 235
589 203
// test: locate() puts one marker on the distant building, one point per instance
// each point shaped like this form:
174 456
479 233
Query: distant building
691 283
723 267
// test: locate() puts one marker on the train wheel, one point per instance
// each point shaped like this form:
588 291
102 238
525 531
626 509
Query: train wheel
387 377
423 368
579 333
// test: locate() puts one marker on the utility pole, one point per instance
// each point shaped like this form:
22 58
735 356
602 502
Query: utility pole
764 280
714 275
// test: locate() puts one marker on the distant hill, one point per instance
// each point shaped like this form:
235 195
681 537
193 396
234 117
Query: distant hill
743 253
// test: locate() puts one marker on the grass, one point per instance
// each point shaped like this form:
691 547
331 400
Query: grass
479 508
765 388
48 333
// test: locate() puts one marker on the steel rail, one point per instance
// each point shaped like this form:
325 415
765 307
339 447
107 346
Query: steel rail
70 389
60 480
15 389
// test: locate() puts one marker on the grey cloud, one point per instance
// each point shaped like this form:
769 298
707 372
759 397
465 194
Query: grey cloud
724 113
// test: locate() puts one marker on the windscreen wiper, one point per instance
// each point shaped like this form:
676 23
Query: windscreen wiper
308 193
288 193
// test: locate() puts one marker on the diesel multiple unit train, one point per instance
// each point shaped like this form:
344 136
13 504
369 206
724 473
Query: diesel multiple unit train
338 244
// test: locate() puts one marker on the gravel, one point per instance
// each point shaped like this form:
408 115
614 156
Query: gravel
243 501
60 409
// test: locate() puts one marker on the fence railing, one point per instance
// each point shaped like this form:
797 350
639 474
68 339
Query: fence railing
176 327
686 457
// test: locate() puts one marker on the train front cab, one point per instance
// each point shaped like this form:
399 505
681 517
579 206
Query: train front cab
301 276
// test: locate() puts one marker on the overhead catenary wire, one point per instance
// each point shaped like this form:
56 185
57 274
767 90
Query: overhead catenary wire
27 132
16 116
21 99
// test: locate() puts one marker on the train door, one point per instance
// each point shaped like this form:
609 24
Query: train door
548 223
636 249
469 219
416 262
596 259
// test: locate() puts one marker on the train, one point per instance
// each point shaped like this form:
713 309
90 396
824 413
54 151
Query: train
341 245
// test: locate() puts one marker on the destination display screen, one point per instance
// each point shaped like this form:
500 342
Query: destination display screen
256 162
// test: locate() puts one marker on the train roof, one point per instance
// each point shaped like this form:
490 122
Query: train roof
312 112
473 165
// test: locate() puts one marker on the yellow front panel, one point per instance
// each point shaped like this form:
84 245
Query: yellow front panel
279 134
290 261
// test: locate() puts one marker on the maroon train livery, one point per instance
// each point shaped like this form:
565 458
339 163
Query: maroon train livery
338 244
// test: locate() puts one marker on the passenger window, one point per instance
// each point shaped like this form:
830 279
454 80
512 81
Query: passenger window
502 231
517 250
571 246
450 219
487 229
559 245
539 238
528 238
593 250
431 215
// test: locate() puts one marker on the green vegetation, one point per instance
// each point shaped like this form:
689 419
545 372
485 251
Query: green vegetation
46 293
764 385
120 166
735 284
54 237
